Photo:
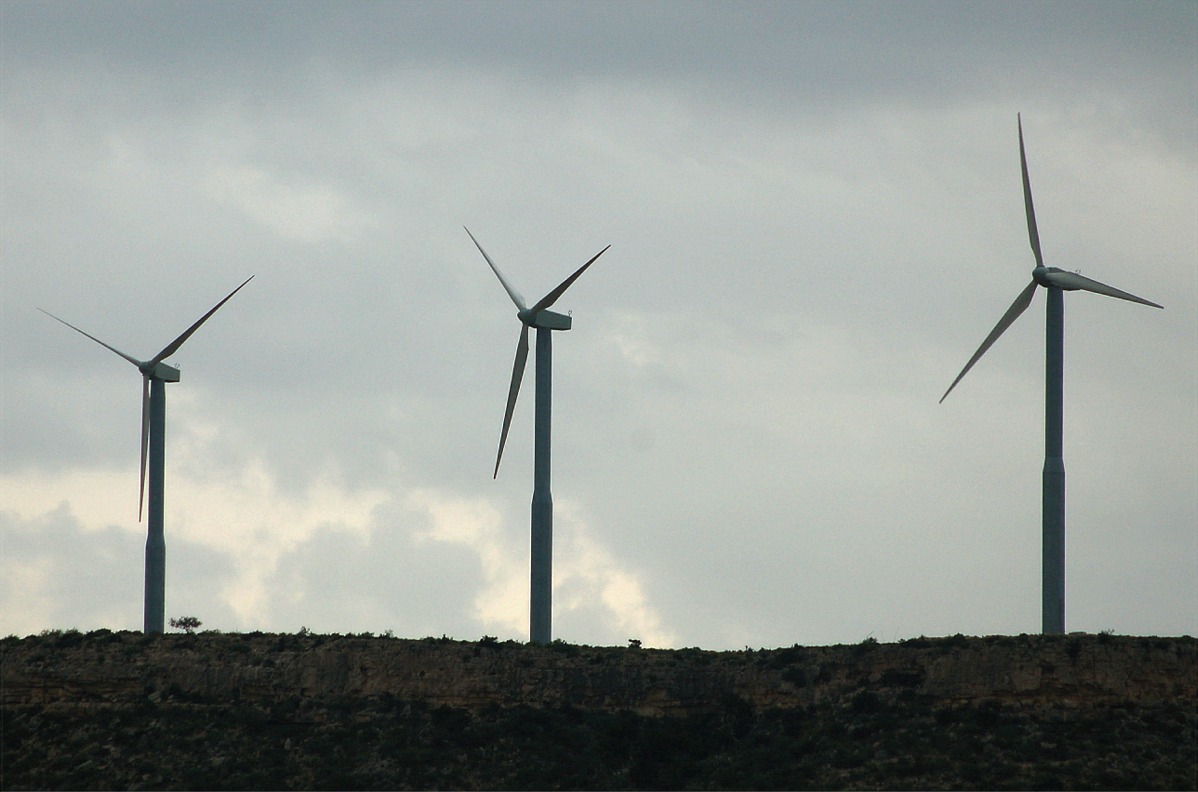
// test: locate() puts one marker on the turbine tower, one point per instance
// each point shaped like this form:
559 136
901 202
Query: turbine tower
1056 282
154 376
545 322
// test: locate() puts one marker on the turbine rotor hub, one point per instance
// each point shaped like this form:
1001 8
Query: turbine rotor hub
1046 276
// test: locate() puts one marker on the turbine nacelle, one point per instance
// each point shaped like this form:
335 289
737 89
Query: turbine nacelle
160 371
545 320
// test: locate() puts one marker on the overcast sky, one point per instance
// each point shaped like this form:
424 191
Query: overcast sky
815 217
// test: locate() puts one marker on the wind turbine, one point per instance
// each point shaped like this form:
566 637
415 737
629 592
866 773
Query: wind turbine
545 322
1056 282
154 376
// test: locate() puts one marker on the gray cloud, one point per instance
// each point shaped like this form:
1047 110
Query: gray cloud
815 214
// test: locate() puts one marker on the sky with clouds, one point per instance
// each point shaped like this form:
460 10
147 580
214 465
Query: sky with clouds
815 216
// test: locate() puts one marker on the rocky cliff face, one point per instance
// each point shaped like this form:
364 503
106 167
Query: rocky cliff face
917 698
1074 670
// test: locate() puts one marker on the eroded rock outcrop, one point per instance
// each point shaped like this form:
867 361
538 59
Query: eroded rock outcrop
124 710
109 666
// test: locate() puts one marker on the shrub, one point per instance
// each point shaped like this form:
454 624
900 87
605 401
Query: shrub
187 624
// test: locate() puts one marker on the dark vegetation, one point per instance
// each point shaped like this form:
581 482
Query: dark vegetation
889 732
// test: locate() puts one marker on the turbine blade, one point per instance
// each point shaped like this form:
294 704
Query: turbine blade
145 440
550 298
507 286
1019 306
513 392
1072 281
173 346
1032 233
130 358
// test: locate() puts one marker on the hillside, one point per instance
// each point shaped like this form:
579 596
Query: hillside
123 710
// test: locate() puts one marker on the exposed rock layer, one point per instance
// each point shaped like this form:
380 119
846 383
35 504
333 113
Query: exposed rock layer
304 690
258 667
